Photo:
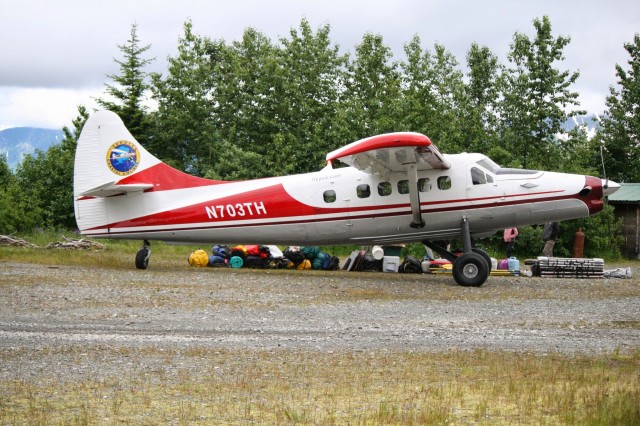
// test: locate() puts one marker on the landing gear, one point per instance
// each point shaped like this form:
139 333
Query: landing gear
484 255
470 270
143 255
472 267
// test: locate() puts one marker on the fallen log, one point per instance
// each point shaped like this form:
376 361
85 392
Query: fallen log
8 240
71 244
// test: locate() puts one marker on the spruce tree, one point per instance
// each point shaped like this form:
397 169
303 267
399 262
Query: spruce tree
130 87
621 125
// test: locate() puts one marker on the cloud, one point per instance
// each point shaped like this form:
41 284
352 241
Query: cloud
43 107
64 50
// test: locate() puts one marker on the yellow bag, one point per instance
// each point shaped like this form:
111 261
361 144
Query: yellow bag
305 264
199 258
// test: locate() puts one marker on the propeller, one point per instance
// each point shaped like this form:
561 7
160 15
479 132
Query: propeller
608 187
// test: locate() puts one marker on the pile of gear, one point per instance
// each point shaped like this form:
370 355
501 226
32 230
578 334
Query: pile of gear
265 257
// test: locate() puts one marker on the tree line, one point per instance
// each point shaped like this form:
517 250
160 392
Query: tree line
255 107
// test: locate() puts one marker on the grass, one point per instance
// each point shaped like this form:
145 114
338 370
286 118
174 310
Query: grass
240 387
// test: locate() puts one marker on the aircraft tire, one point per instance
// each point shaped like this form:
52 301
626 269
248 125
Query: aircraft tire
485 255
142 258
470 270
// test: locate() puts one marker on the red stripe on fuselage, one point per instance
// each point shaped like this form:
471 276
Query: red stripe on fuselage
263 203
275 203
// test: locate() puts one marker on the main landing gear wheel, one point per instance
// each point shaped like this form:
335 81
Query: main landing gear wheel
485 255
470 270
143 255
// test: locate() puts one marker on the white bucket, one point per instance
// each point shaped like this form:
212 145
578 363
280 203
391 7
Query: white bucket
377 252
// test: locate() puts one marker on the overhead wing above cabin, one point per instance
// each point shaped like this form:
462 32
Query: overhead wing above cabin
391 152
394 152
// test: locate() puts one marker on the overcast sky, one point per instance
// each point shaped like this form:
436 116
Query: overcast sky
55 55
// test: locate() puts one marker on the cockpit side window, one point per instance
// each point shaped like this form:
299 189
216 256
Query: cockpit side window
477 176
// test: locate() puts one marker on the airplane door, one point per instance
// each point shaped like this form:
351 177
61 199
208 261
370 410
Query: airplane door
332 212
487 198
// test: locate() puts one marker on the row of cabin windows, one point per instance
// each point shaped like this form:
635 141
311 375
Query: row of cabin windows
385 188
478 177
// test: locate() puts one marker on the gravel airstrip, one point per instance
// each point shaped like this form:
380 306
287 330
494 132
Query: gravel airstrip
45 308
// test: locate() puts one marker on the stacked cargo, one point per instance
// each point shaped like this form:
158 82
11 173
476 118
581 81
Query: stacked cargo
560 267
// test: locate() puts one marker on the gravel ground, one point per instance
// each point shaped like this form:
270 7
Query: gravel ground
49 310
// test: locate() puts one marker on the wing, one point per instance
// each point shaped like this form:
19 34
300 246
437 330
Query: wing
394 152
391 152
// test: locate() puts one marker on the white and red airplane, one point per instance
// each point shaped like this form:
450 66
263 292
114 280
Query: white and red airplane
398 188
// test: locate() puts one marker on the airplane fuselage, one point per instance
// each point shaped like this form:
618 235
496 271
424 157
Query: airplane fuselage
346 206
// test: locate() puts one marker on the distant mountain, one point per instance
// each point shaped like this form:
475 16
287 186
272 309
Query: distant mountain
17 142
592 123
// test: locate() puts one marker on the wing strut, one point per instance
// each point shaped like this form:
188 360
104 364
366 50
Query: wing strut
414 196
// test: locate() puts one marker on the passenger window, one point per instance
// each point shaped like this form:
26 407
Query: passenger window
444 182
384 188
489 178
424 184
329 196
363 191
477 176
403 186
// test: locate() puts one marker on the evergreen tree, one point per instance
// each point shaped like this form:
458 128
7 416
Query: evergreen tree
47 179
18 212
372 89
536 98
130 89
482 93
247 114
184 127
621 124
309 80
432 95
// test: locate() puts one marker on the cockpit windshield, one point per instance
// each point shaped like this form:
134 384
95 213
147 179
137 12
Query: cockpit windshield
492 167
488 165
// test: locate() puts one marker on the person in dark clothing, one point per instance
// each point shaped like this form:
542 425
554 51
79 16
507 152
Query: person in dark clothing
549 236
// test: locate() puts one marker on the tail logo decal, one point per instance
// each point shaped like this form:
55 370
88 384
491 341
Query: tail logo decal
123 158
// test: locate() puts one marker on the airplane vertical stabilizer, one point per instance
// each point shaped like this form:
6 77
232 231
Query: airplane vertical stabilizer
106 155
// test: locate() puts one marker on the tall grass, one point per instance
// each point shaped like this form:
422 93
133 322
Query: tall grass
238 387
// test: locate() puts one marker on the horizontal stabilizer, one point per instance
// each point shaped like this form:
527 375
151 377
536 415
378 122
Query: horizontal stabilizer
111 188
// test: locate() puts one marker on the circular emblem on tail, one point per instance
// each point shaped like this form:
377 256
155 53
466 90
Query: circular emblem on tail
123 157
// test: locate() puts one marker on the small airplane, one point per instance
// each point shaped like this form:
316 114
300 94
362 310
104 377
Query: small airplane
397 187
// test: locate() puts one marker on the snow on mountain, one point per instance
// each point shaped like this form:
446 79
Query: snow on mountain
17 142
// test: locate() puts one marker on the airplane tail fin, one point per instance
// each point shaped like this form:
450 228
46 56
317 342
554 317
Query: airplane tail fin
106 155
109 162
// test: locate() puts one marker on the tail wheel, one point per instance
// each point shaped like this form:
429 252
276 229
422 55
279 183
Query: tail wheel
142 258
470 270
